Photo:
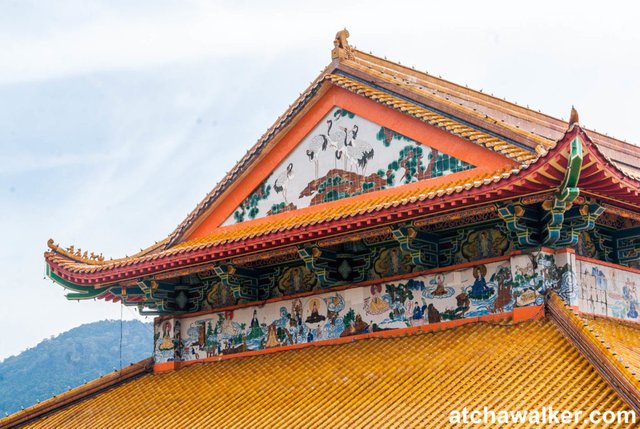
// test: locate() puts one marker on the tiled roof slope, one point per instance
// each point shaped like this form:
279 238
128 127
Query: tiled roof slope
622 337
502 113
369 204
599 179
81 392
592 345
411 381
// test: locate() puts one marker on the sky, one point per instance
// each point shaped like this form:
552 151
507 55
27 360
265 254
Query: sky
117 117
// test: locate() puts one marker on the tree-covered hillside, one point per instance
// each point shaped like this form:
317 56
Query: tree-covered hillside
70 359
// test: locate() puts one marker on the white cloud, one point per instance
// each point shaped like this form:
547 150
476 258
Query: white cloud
32 163
113 41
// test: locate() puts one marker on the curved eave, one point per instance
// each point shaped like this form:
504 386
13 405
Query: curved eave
603 179
257 236
599 177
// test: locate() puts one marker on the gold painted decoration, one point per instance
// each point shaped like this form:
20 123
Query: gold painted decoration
296 280
220 296
391 262
486 243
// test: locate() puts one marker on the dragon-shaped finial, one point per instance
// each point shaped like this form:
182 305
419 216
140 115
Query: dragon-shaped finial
341 47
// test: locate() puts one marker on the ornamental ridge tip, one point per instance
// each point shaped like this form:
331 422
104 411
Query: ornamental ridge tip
341 48
574 119
76 253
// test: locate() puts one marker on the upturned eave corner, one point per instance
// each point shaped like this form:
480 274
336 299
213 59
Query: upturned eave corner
231 240
547 195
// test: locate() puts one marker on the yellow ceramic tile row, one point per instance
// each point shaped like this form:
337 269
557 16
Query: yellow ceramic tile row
366 203
623 338
395 78
435 119
411 381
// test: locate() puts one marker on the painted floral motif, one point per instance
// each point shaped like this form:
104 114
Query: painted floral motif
249 207
344 156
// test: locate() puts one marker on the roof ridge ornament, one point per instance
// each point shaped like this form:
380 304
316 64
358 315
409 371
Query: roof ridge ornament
574 119
76 254
341 48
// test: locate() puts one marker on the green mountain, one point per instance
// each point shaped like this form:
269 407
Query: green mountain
69 360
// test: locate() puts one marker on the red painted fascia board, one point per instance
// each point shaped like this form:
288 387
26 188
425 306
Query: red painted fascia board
210 253
204 254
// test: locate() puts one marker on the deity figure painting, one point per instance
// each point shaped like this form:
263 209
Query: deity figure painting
486 243
167 342
479 289
314 316
375 304
392 261
295 280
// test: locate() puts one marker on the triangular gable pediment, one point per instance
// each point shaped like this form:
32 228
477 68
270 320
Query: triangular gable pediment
343 156
342 146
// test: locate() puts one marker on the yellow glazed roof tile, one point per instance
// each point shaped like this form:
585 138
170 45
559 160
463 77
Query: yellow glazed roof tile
432 118
622 337
332 212
364 203
411 381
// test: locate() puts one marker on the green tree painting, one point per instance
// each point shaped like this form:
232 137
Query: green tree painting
249 207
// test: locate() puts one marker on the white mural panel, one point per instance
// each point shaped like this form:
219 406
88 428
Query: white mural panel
480 290
426 299
608 291
343 156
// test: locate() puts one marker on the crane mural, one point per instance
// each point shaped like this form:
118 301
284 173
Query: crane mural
344 156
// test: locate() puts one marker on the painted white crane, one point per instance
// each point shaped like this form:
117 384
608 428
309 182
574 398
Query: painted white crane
282 182
337 138
356 152
318 143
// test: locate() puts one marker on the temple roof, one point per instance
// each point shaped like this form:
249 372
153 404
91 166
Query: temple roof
598 177
533 149
519 126
413 380
460 101
601 346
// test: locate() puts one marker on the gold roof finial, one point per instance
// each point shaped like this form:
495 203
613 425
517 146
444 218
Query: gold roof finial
573 117
341 47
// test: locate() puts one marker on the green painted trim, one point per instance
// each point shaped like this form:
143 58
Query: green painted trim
422 247
585 223
71 286
516 224
568 190
96 293
566 195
